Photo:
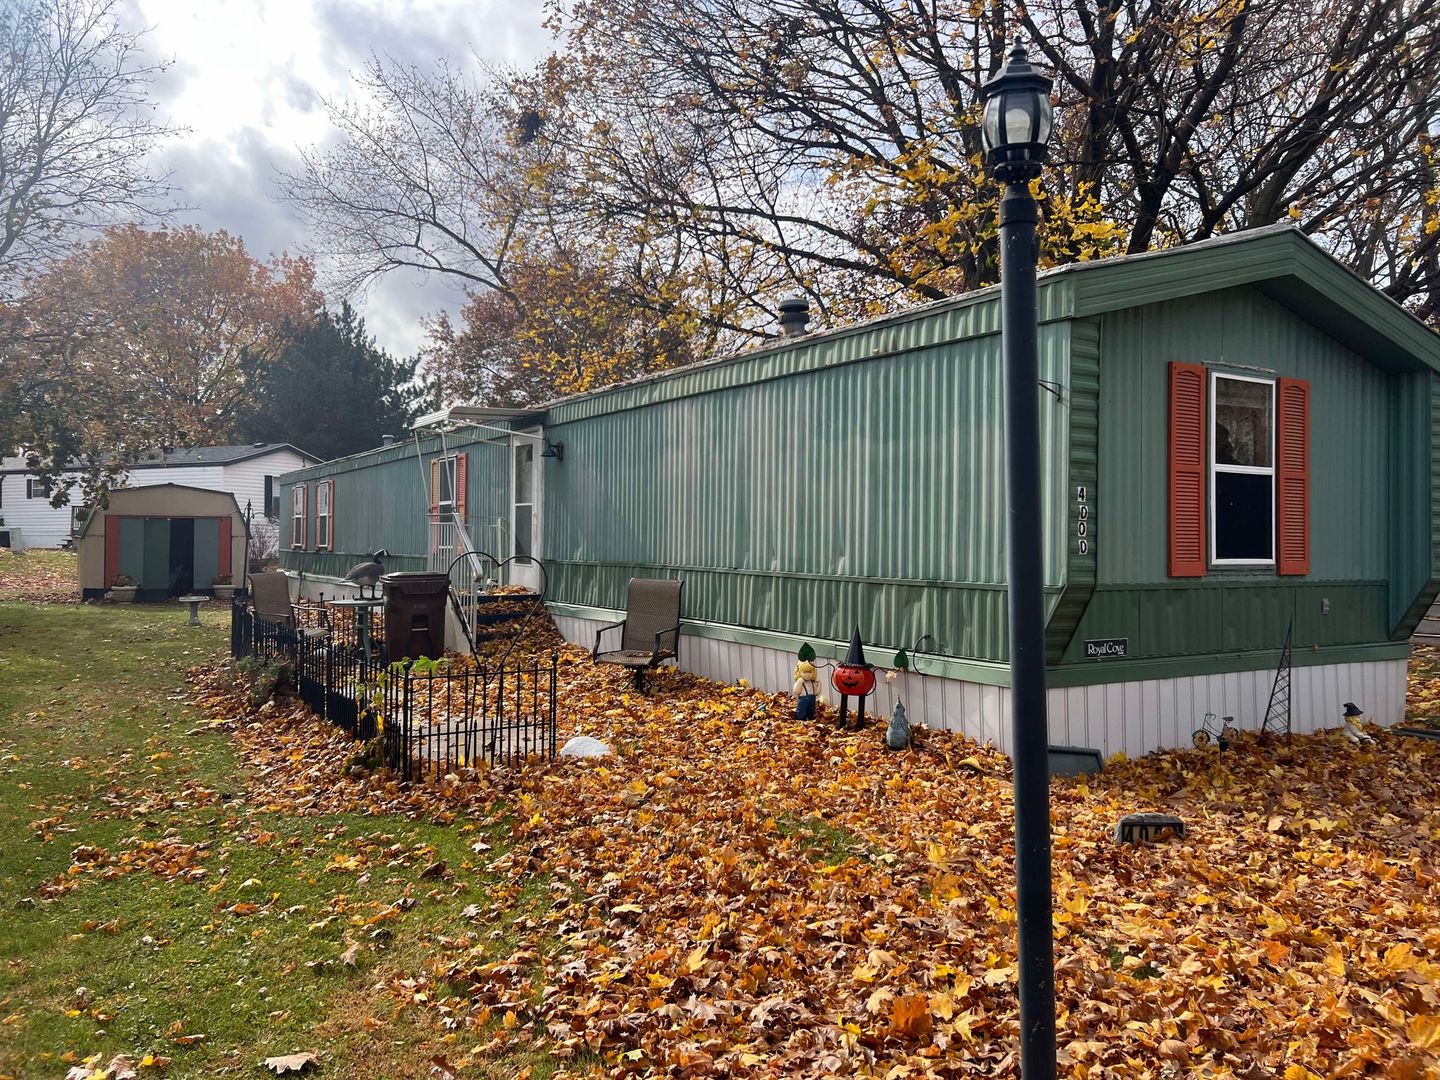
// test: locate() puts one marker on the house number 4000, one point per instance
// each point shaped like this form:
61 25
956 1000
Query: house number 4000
1082 519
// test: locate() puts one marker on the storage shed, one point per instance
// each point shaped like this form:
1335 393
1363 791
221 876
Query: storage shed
1241 439
168 539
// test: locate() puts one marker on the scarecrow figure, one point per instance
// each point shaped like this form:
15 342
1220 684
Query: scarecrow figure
853 677
806 689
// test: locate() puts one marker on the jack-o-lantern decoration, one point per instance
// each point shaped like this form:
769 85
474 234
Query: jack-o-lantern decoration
853 679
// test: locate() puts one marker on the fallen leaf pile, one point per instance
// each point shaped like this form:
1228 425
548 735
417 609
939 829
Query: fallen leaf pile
38 576
1422 686
735 892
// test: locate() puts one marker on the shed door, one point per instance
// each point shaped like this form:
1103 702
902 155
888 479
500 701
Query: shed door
155 562
207 551
130 549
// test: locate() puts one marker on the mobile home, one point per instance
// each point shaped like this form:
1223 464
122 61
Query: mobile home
1241 439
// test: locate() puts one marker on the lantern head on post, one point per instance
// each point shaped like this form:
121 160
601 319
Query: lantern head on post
1016 128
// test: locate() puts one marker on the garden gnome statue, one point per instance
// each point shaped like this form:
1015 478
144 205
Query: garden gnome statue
806 689
897 735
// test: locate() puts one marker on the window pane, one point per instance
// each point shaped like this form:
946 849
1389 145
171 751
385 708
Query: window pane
322 499
1242 422
523 519
1244 516
525 473
447 482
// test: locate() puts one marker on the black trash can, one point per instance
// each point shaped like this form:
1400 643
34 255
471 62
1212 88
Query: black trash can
414 614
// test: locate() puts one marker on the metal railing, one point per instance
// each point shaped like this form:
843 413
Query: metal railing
430 718
470 576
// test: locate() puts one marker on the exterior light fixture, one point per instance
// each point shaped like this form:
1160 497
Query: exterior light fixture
1015 131
554 450
1017 123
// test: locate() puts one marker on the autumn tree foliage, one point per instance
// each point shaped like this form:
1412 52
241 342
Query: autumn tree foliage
149 338
560 328
679 166
76 125
842 140
445 173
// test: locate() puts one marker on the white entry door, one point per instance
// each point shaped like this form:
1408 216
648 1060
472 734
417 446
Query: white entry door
525 509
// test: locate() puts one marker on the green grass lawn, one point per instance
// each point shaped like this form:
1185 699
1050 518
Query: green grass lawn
230 941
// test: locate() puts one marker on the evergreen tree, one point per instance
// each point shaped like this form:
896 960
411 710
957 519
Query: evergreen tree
333 391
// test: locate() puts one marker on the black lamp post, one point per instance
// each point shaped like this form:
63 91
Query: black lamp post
1015 130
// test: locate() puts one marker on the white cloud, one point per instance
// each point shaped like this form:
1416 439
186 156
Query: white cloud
248 81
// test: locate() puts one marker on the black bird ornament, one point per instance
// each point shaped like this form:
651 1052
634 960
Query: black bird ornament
366 575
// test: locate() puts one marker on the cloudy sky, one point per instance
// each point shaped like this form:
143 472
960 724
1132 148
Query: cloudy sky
249 82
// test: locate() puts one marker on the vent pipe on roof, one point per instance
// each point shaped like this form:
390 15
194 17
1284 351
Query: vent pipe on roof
794 315
387 440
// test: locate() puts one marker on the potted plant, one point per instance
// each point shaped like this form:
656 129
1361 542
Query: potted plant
122 589
222 586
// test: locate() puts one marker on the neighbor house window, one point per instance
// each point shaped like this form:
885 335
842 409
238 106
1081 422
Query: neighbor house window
272 504
297 516
36 489
322 515
1242 470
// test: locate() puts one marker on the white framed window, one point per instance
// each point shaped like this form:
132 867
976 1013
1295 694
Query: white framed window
445 494
36 489
272 504
1242 470
322 515
297 516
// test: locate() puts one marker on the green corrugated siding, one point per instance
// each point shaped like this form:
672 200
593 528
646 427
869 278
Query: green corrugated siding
1083 398
382 499
1415 573
1362 498
845 493
1351 431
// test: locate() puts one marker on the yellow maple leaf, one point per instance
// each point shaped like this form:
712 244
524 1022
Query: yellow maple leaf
1424 1031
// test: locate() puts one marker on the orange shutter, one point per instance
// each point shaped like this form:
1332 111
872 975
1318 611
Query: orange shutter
460 487
1292 477
1187 470
434 488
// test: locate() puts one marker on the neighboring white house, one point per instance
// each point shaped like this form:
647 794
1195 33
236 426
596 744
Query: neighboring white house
248 472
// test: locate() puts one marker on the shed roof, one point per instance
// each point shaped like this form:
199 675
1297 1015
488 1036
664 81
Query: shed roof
120 496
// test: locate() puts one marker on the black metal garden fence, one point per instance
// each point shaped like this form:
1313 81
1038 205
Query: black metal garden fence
430 718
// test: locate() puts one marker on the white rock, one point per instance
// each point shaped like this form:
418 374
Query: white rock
582 746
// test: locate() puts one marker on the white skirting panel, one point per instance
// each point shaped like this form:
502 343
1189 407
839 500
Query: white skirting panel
1133 717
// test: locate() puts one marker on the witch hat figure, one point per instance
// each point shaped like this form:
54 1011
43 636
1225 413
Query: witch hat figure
853 677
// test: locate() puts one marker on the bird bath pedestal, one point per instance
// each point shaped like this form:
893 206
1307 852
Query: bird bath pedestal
361 606
194 600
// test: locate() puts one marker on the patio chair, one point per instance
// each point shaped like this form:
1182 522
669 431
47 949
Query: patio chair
270 599
650 631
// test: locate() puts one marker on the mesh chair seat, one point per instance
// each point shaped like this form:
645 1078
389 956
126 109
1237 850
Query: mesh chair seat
650 632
